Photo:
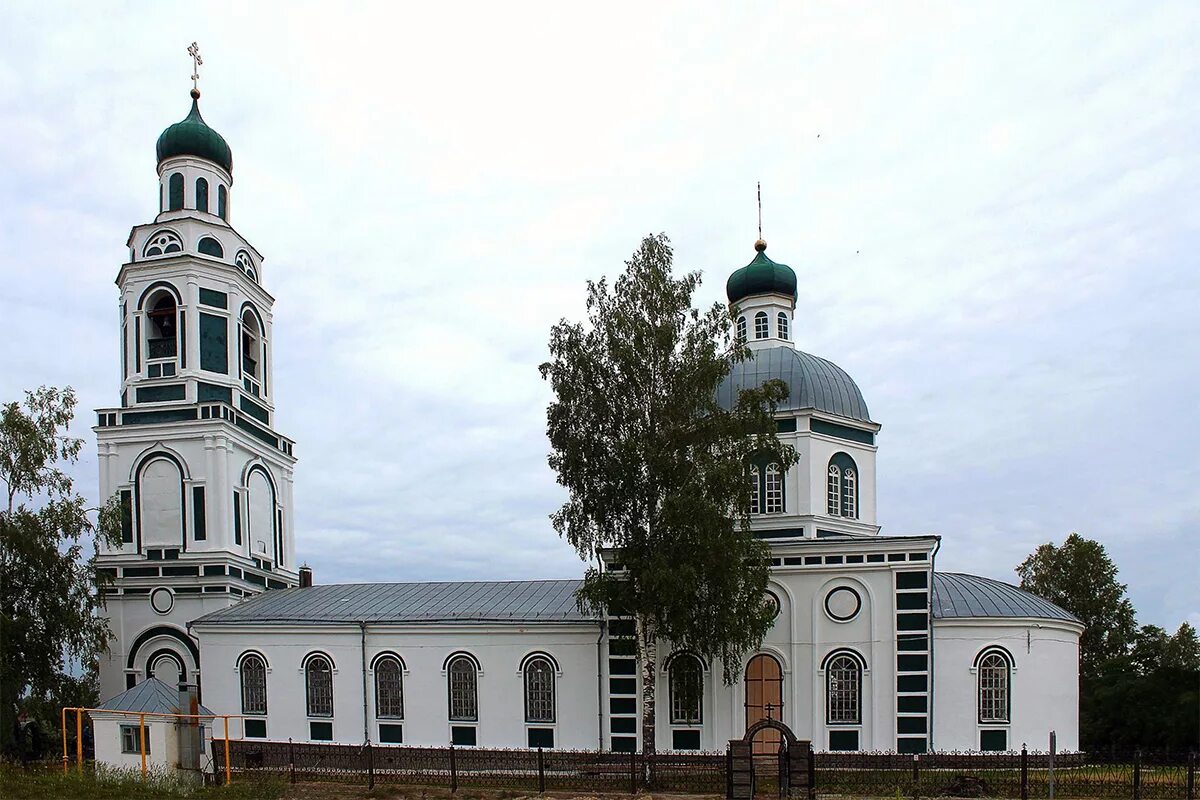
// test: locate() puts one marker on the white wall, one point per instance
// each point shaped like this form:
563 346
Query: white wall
1044 688
107 733
423 649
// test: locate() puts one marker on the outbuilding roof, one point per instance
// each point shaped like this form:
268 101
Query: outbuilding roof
151 696
956 594
475 601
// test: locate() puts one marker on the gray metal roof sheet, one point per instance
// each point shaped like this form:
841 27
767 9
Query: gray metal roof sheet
815 383
956 594
474 601
151 696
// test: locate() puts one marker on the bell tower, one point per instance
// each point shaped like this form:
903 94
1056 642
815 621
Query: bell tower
203 476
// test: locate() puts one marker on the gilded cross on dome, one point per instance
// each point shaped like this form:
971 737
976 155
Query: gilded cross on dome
194 52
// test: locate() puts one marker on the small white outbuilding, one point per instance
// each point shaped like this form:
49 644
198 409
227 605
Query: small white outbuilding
170 742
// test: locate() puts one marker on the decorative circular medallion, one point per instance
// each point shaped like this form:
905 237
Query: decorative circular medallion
162 600
843 604
771 600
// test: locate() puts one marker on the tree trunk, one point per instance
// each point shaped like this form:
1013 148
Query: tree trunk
648 647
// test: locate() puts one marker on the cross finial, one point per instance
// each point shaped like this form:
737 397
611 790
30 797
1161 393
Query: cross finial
194 52
760 245
770 708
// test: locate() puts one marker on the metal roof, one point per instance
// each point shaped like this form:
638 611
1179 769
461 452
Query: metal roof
151 696
814 382
956 594
475 601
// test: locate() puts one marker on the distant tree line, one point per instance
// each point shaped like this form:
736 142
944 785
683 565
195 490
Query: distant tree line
1139 686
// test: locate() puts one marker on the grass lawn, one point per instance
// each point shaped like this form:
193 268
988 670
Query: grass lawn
51 783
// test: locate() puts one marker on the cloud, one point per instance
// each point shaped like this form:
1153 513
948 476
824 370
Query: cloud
991 211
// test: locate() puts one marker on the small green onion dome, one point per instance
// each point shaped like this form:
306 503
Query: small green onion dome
761 276
193 137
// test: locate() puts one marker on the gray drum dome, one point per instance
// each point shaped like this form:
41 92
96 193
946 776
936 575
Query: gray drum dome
815 384
956 594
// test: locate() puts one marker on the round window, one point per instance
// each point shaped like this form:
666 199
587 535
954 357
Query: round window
843 604
162 600
771 601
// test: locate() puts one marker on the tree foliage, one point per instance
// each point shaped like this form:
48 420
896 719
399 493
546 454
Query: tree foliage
656 468
1138 687
49 591
1079 576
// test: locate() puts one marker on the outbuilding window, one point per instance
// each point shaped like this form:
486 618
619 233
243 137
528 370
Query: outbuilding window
131 740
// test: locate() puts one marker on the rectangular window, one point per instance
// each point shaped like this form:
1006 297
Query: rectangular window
199 522
622 666
623 724
131 742
685 740
912 580
624 744
237 520
255 728
320 731
622 686
993 740
391 733
463 735
540 737
755 498
622 705
214 344
843 740
126 516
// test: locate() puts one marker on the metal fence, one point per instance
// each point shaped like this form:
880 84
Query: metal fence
1028 774
475 767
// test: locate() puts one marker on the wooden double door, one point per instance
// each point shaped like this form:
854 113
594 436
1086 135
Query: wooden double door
764 698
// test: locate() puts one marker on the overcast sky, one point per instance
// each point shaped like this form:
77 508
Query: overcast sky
992 211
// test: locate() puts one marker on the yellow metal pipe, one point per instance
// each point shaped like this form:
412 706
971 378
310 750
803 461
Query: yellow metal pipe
142 741
227 750
64 731
79 739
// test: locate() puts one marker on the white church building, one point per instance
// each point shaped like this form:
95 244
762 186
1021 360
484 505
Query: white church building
872 647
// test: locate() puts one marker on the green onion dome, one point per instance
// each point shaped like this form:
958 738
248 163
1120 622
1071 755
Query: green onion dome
761 276
193 137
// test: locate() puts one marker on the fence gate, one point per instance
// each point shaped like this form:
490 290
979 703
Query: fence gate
795 759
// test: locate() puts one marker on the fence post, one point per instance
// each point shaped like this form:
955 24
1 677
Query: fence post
1137 774
812 771
370 766
291 760
633 771
541 773
728 773
1024 772
453 771
1191 776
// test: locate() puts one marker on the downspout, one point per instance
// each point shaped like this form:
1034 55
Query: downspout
932 677
600 685
362 626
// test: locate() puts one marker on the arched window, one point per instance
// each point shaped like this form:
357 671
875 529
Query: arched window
161 319
222 201
246 264
833 495
755 497
162 243
774 490
252 351
686 683
842 494
210 247
539 690
463 685
253 671
849 494
175 192
741 329
761 330
782 322
318 684
201 195
843 689
389 688
995 674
